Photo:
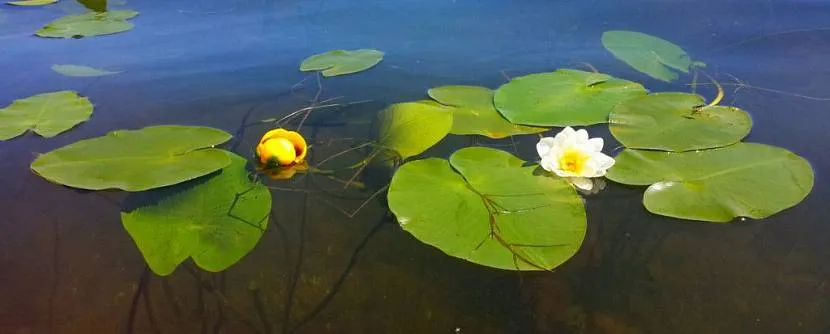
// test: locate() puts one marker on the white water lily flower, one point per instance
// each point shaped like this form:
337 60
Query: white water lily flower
571 154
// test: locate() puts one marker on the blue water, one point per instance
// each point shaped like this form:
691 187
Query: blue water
68 266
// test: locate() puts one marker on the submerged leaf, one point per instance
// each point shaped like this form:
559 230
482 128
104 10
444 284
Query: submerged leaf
81 71
489 210
563 98
410 128
95 5
46 114
648 54
216 222
474 112
136 160
677 122
340 62
89 24
27 3
717 185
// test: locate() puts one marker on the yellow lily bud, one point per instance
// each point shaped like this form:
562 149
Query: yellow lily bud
281 147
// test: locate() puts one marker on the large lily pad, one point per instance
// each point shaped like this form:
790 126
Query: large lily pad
216 221
563 98
677 122
81 71
31 3
89 24
474 112
46 114
717 185
651 55
489 210
410 128
136 160
340 62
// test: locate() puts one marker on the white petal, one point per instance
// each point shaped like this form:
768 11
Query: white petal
596 144
564 137
549 164
600 163
544 145
581 136
582 183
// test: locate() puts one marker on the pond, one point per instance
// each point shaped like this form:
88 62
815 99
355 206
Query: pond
337 248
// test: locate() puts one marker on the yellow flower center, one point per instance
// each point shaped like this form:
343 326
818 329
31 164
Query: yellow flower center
280 149
573 161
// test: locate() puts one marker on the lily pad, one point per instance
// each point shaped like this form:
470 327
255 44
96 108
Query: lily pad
95 5
340 62
717 185
410 128
563 98
677 122
136 160
216 221
474 112
489 210
81 71
89 24
651 55
27 3
47 114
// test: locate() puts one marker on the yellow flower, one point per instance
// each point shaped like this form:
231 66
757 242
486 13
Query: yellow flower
282 148
571 154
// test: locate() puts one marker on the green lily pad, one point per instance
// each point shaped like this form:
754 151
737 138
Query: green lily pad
81 71
410 128
28 3
89 24
216 222
563 98
717 185
47 114
136 160
489 210
340 62
677 122
474 112
651 55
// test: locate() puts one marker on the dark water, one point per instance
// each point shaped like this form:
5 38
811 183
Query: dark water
68 266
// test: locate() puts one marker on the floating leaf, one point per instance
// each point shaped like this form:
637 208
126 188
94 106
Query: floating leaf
648 54
95 5
27 3
80 71
216 222
46 114
474 113
563 98
340 62
717 185
677 122
136 160
489 210
89 24
410 128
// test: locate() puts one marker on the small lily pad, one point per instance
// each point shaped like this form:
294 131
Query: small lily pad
410 128
563 98
474 112
46 114
216 221
81 71
648 54
483 206
136 160
677 122
95 5
27 3
340 62
717 185
89 24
